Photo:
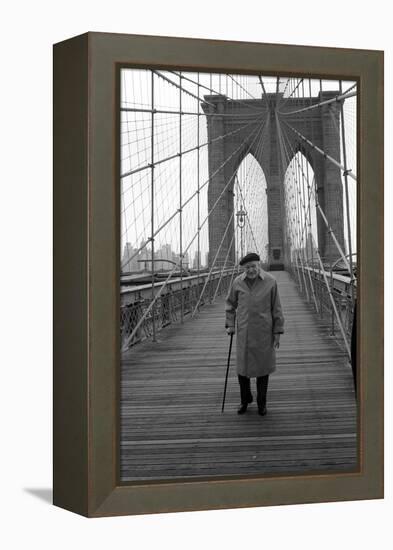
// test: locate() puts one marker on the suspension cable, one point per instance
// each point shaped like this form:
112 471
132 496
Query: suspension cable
330 230
264 92
182 89
189 199
307 221
213 264
325 155
298 240
241 101
224 265
338 99
332 300
346 185
241 87
247 217
151 305
293 91
192 149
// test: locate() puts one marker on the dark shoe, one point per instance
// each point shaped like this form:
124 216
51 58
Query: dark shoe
262 411
242 409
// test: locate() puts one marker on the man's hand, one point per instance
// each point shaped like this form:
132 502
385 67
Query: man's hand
230 330
276 341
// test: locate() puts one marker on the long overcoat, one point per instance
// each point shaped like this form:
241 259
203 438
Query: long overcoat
257 315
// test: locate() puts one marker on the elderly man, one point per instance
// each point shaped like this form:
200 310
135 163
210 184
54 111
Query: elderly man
254 303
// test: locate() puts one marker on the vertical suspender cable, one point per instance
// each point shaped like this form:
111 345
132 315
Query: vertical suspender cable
304 222
298 222
180 202
346 184
297 215
152 205
286 194
309 207
198 195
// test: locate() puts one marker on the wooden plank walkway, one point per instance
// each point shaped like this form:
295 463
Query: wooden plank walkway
171 394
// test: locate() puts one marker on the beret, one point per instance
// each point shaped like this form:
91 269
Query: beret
251 257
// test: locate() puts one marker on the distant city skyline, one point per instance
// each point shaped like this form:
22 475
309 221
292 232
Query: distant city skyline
164 258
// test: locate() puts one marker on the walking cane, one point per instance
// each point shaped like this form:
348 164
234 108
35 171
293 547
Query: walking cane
226 376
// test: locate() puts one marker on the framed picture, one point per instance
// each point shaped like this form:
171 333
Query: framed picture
218 219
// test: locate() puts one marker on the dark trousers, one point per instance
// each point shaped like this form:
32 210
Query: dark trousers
245 390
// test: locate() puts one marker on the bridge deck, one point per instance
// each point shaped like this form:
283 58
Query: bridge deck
171 393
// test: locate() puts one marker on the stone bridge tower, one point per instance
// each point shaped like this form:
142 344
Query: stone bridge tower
242 123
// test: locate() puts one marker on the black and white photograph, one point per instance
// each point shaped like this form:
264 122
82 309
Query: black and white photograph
238 275
196 236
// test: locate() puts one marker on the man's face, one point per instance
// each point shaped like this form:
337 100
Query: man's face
251 269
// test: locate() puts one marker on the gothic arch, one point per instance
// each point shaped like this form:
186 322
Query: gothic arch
298 163
253 199
226 153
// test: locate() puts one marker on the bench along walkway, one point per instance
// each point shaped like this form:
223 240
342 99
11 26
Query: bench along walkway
171 395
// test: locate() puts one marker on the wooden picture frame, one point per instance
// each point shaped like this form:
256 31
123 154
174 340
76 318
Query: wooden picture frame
86 273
